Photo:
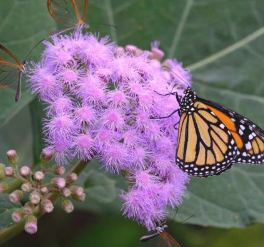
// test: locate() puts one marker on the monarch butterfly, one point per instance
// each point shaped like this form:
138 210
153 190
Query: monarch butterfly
70 13
162 232
11 69
212 137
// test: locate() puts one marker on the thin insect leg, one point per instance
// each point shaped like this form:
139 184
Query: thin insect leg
178 98
167 94
165 116
175 125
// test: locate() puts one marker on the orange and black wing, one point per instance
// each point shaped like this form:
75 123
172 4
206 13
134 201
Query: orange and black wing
206 147
68 12
249 137
213 137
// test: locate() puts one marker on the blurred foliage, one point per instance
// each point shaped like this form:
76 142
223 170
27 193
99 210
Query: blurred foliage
84 229
191 31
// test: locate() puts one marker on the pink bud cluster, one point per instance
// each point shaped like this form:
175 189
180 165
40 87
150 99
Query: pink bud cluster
103 101
37 189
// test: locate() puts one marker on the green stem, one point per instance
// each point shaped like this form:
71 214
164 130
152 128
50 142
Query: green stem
227 50
13 185
12 231
37 115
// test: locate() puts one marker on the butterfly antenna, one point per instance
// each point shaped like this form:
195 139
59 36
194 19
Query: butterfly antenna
103 24
176 75
187 219
175 214
33 49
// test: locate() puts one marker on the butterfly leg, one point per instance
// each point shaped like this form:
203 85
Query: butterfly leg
175 125
178 98
167 94
165 116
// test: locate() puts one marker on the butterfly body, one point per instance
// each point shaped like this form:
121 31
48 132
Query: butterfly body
211 137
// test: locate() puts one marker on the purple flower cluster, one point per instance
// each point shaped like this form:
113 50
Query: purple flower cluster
101 100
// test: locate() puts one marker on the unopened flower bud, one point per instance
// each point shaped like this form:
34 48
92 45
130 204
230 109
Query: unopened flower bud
131 48
17 215
77 190
58 169
26 187
44 190
34 197
3 187
47 206
157 53
66 192
12 156
58 182
46 155
31 226
119 51
39 175
2 174
67 206
9 171
80 198
16 196
25 171
72 177
28 208
2 166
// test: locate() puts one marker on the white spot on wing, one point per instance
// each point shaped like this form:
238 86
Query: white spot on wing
248 146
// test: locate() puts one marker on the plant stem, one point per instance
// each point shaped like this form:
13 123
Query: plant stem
13 185
12 231
228 50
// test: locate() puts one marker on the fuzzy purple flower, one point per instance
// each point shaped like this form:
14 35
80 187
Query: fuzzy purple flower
101 100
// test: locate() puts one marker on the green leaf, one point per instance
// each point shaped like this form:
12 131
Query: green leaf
23 25
6 210
220 41
37 115
100 187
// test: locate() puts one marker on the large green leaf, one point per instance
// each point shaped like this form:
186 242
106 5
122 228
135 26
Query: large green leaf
23 24
220 41
100 187
6 210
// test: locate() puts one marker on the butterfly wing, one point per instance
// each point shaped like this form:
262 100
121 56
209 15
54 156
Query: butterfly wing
10 67
249 136
169 240
68 12
206 146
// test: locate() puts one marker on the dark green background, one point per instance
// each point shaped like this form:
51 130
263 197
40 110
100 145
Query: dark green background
222 42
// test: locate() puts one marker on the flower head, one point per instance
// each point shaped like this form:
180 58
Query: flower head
107 102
